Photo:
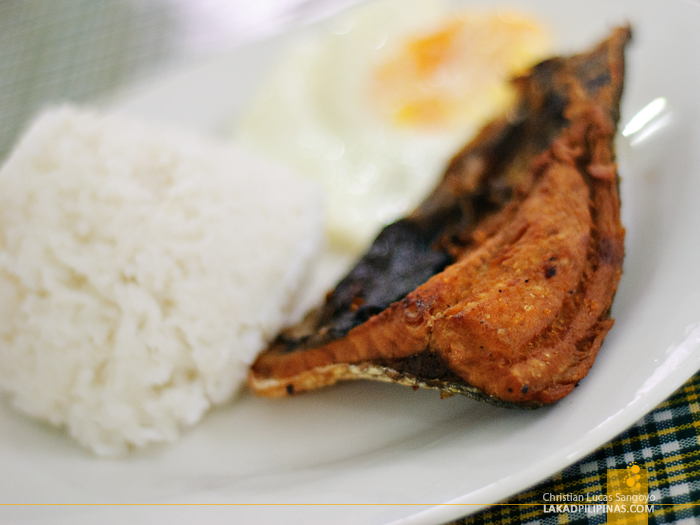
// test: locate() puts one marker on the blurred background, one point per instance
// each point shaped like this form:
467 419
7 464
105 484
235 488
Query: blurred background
82 50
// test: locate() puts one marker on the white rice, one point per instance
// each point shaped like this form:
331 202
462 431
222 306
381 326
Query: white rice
141 271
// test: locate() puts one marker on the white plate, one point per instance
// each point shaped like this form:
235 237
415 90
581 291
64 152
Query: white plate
373 453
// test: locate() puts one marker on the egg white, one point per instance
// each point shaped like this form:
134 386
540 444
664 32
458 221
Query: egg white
317 114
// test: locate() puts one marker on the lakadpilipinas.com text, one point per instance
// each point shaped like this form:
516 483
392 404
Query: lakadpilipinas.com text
598 503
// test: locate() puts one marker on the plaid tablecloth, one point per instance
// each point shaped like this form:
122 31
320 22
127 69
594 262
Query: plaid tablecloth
666 442
58 50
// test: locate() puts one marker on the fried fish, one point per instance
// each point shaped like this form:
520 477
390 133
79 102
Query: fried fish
499 285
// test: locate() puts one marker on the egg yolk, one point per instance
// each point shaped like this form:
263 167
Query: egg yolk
458 72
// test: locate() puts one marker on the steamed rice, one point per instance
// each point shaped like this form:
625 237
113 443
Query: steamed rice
141 271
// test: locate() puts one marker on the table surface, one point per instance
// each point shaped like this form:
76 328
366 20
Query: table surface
80 50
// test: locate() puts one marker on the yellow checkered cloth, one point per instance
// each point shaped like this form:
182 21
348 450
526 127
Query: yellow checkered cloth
665 442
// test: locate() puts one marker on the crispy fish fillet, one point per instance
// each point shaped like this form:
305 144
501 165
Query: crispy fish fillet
499 285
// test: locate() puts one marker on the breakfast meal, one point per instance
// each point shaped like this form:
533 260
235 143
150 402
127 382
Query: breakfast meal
147 272
142 269
499 285
372 104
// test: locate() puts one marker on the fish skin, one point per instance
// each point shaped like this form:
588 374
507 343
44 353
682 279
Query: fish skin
525 245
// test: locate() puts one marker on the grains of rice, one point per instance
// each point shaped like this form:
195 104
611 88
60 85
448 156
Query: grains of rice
141 271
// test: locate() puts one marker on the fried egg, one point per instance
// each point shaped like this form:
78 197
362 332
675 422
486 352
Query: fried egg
374 104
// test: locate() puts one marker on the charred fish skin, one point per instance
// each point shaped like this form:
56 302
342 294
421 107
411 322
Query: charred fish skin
515 259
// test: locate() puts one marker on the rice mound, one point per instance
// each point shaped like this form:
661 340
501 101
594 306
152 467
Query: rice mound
141 271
